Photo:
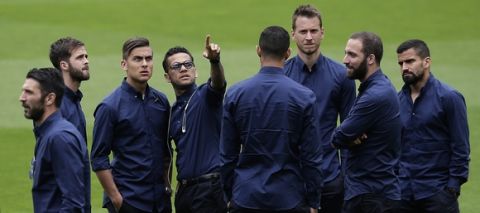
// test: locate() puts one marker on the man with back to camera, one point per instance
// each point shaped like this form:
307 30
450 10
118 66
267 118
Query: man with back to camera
132 123
335 96
195 129
69 55
371 131
60 168
435 143
271 161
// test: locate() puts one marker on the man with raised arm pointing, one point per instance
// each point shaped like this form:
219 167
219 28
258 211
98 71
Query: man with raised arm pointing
195 129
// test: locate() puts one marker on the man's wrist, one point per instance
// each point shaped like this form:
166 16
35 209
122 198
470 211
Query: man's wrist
215 60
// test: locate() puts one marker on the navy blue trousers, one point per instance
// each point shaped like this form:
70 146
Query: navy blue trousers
441 202
202 197
370 203
332 196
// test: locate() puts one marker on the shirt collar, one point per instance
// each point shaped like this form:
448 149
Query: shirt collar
131 91
187 93
302 66
376 75
73 95
272 71
428 85
39 130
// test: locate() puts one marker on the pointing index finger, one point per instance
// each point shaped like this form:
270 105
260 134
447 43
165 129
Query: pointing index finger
207 41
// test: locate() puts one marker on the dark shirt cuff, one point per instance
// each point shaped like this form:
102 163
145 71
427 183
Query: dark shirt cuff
454 184
313 204
313 199
221 91
100 164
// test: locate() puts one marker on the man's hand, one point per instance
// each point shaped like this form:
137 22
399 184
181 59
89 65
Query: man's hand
351 144
212 53
117 201
360 140
453 191
313 210
212 50
106 180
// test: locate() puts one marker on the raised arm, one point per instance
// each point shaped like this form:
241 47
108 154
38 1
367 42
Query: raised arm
212 53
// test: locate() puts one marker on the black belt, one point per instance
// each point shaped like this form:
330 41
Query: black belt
199 179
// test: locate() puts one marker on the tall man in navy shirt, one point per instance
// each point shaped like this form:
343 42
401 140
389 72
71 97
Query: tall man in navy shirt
132 123
335 95
195 128
60 169
435 143
271 161
371 184
69 55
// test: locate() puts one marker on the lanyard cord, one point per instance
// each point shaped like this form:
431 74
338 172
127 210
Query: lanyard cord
170 165
184 118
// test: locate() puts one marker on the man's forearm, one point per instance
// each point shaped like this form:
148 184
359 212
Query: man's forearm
217 75
106 180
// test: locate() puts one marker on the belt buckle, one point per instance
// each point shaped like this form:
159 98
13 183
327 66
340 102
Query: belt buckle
184 182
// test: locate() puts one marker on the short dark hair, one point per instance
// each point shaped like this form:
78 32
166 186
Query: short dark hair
308 11
418 45
173 51
50 80
274 42
61 50
372 44
133 43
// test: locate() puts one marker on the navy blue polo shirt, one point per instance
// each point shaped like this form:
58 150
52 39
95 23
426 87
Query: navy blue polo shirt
270 156
134 128
61 171
435 140
197 144
370 166
72 110
335 96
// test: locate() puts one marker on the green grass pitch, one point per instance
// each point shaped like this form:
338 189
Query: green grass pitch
28 27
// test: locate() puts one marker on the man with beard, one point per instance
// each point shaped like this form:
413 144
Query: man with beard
70 57
132 122
371 131
60 169
335 95
435 143
195 129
